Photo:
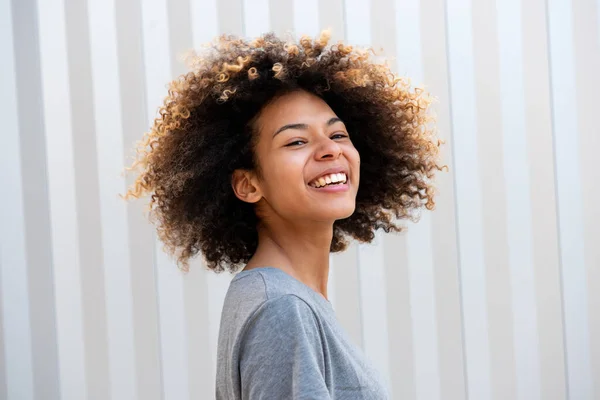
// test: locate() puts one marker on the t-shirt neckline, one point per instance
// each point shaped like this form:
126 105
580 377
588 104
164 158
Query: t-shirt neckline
246 272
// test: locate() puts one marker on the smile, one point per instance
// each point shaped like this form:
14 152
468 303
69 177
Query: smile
329 180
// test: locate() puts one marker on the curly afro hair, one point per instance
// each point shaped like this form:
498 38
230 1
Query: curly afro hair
204 131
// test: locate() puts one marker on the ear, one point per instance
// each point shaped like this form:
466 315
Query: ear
245 186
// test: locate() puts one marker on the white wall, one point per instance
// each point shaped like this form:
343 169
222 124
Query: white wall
494 295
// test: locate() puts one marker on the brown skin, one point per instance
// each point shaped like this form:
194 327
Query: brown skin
296 219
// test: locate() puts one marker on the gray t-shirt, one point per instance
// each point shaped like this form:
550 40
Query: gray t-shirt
280 339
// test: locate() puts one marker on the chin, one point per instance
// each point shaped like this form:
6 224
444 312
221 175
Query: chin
338 213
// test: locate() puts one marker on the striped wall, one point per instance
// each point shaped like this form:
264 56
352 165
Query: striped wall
494 295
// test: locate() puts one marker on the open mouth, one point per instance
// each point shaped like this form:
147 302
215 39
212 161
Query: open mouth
329 180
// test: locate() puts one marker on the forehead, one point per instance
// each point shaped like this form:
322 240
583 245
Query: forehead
294 107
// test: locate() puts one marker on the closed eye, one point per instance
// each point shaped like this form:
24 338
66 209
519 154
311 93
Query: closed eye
295 143
301 142
339 136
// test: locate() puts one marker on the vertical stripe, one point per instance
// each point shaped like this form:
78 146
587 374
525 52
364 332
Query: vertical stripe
63 204
306 17
468 198
173 339
401 340
107 102
493 189
180 34
399 370
197 284
371 267
347 293
217 284
281 16
180 42
384 31
451 363
140 232
169 283
87 199
418 237
331 15
200 367
16 356
217 289
422 304
231 16
536 83
36 204
518 201
371 270
586 26
569 191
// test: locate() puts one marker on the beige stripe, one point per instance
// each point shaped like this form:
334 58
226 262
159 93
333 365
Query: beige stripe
180 34
36 201
200 366
281 16
402 369
543 212
448 303
347 292
141 236
383 34
489 136
587 65
231 20
399 319
88 206
331 15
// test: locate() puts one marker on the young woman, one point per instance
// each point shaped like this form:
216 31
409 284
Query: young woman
255 162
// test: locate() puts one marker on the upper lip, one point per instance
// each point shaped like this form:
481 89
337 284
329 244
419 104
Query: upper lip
333 170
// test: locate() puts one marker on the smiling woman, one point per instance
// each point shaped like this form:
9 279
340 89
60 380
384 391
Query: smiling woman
266 157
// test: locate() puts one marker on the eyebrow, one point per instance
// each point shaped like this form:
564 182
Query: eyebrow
331 121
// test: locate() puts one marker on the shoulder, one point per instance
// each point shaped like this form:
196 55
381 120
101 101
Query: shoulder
271 288
280 325
285 310
287 318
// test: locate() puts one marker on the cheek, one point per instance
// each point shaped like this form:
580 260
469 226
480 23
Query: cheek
284 173
353 158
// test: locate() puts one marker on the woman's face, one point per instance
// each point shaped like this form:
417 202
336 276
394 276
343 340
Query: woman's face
309 166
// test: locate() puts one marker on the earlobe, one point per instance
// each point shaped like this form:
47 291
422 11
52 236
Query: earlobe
245 187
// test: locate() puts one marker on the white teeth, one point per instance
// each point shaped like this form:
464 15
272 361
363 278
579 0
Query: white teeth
332 178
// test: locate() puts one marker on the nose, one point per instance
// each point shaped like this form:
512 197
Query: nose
328 149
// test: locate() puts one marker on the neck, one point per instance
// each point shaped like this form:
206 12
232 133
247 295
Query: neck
301 251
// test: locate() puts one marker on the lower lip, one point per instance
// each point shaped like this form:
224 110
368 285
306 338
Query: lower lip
332 188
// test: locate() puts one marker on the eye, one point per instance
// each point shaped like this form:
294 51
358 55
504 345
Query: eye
295 143
339 135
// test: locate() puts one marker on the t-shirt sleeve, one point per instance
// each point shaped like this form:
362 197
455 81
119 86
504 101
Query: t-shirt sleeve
281 354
